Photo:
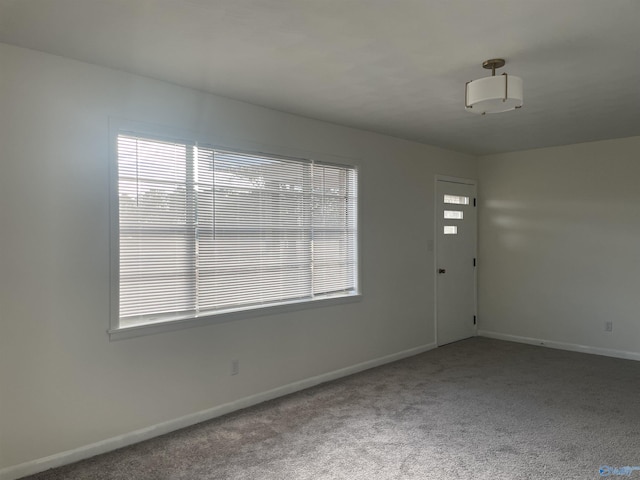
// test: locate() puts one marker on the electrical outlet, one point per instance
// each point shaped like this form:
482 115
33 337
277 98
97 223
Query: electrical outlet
608 326
235 367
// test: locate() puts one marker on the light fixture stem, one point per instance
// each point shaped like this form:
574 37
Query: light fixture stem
492 64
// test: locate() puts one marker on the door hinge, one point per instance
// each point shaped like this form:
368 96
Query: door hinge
474 320
474 262
474 202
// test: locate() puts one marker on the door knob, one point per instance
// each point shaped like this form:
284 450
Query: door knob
441 271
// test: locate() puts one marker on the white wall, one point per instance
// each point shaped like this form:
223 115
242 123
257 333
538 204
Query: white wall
559 246
63 384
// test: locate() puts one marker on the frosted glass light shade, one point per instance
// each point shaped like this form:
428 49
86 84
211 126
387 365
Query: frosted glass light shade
494 94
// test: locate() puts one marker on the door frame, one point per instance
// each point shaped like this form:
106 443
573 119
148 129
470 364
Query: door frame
464 181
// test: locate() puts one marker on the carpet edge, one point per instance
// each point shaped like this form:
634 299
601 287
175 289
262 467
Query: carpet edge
572 347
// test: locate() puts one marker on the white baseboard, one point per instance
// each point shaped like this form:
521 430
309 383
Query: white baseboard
573 347
70 456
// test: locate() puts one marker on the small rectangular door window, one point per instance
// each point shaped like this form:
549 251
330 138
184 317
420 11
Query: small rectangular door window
456 199
453 214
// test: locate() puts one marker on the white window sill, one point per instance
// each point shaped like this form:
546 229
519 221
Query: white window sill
151 328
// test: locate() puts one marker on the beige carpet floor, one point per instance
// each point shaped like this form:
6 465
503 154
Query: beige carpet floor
476 409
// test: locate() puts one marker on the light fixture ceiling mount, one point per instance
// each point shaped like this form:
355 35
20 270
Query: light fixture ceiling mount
493 94
493 64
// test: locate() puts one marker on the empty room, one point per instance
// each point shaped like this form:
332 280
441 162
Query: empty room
319 239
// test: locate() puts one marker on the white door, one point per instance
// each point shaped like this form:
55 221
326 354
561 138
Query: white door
455 260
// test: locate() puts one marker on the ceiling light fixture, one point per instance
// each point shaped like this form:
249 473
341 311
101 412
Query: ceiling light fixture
493 94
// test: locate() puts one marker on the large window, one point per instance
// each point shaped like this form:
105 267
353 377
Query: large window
204 231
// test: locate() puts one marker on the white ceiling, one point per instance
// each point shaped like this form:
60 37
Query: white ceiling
391 66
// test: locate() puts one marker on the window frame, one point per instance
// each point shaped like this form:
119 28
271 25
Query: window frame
118 332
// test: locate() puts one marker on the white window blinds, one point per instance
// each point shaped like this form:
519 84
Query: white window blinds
204 230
